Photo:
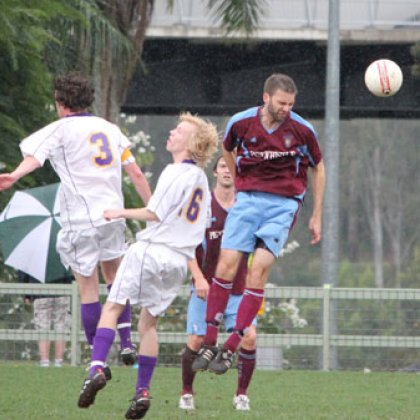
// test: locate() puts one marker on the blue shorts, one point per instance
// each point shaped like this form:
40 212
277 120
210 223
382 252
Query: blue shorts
196 316
259 215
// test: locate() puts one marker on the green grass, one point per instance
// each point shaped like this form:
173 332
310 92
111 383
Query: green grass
30 392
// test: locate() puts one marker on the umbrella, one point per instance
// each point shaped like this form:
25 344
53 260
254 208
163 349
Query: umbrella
28 232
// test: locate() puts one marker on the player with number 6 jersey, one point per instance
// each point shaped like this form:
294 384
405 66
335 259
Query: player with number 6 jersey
181 201
154 268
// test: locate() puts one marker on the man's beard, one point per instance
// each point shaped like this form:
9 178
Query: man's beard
274 115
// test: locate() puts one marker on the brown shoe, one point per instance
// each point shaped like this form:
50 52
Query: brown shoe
139 406
90 388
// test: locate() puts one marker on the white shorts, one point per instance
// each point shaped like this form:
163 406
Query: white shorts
150 275
82 250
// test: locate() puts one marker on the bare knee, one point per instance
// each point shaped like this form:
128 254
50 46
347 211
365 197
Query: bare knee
88 287
228 264
147 323
249 340
109 269
110 313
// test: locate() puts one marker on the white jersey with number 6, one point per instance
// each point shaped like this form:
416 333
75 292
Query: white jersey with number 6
181 201
85 151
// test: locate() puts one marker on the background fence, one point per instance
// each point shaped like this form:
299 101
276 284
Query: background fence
302 328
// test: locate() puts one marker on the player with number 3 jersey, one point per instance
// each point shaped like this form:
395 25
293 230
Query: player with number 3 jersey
87 153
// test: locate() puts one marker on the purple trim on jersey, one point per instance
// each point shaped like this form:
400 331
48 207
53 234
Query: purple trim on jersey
189 161
80 114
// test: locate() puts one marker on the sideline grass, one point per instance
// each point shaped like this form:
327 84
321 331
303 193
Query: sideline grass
30 392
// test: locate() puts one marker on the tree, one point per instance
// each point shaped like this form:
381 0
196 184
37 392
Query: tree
25 86
109 42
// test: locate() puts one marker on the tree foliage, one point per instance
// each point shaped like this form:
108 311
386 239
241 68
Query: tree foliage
25 87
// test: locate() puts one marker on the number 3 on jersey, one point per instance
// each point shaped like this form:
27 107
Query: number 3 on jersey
104 156
193 209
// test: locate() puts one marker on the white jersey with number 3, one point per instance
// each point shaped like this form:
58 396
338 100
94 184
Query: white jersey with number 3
181 201
85 151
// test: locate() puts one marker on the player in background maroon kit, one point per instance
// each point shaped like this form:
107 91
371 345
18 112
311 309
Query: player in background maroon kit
269 149
203 269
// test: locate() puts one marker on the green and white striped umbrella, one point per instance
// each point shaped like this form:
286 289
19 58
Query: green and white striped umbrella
28 232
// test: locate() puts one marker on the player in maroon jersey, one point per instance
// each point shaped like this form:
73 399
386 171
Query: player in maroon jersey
203 269
269 149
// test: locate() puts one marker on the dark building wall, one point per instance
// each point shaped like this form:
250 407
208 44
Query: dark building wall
220 79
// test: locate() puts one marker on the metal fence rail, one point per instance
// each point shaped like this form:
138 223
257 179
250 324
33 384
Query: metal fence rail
337 318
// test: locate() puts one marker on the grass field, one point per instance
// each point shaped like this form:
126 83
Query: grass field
33 393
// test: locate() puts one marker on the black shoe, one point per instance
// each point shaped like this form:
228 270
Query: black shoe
139 406
204 356
107 373
90 388
129 355
222 362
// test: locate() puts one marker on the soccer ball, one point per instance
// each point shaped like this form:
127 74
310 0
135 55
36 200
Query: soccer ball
383 78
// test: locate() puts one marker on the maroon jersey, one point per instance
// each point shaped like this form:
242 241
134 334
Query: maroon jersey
272 161
207 253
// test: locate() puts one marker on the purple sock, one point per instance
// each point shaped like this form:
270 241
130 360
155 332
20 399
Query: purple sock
91 312
145 372
101 344
124 325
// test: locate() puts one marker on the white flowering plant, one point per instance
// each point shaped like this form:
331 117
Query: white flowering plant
141 145
280 316
143 151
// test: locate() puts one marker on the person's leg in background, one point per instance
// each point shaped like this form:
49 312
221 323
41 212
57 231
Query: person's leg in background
196 329
247 353
44 353
247 357
42 321
61 323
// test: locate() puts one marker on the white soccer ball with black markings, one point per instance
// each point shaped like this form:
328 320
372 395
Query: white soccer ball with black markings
383 78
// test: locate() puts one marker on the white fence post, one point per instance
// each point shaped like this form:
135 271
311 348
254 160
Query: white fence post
75 316
326 331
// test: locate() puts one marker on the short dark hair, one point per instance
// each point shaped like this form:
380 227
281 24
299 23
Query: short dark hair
216 162
278 81
74 90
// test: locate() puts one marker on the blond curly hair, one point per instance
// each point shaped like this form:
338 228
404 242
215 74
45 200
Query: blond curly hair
204 142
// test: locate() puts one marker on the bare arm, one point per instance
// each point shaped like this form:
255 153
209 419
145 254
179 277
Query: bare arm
139 181
28 165
230 161
201 284
143 214
318 187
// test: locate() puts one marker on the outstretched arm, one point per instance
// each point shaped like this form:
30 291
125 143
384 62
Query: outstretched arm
139 181
318 186
28 165
143 214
